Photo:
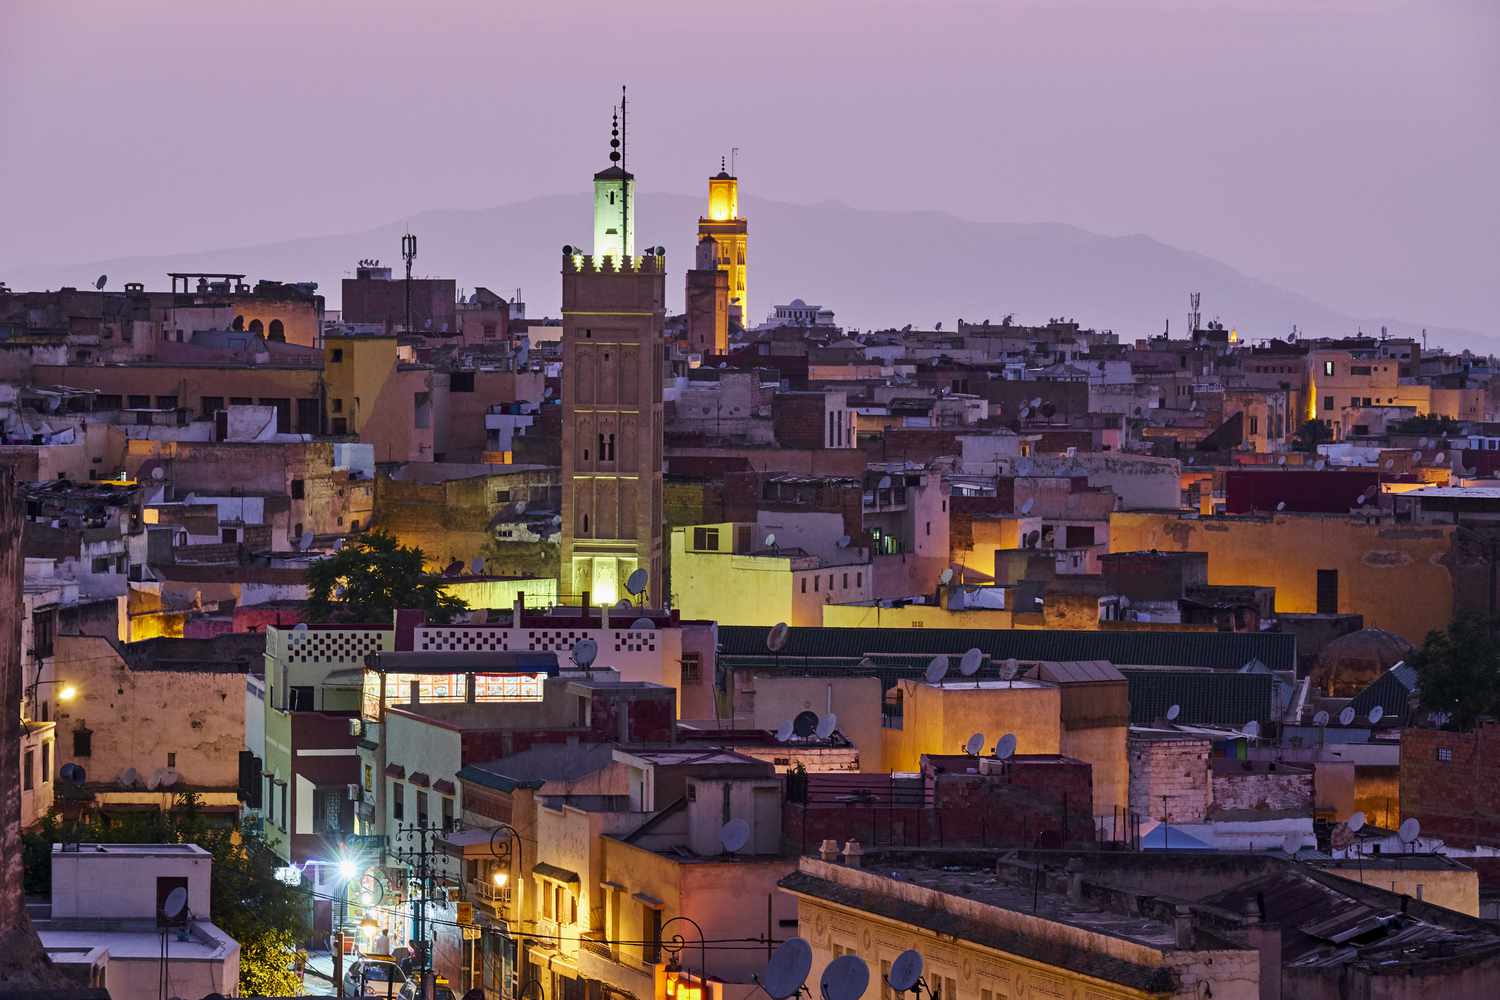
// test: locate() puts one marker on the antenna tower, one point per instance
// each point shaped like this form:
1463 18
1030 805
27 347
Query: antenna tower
409 254
624 186
1194 316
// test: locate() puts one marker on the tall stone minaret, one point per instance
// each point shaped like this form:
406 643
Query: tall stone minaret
730 233
614 312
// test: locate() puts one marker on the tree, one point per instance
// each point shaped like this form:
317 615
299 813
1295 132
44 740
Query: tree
372 576
1310 435
266 917
1458 670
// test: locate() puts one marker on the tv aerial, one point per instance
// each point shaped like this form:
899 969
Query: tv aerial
636 582
826 725
937 669
1347 715
1005 747
776 638
734 835
906 971
787 970
845 978
584 652
974 744
1173 713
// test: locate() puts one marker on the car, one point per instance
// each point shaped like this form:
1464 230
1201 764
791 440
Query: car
440 990
374 976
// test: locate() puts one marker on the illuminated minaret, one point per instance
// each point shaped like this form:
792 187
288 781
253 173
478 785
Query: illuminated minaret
730 233
614 311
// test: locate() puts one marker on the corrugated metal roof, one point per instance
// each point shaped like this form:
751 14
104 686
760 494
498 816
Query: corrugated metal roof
1221 650
1078 671
1391 691
1204 697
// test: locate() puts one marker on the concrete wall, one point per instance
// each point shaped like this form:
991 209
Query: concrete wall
1263 791
772 699
118 881
1455 887
1169 779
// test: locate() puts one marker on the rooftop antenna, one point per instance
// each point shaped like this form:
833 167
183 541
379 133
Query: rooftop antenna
845 978
408 254
734 152
584 652
1005 748
734 835
787 970
974 744
906 972
1194 316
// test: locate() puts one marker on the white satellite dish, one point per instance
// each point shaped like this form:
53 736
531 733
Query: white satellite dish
642 625
1009 669
734 835
1281 460
937 669
305 542
968 665
174 907
1416 456
1291 843
1321 718
826 725
787 970
1376 714
784 731
1173 713
884 484
776 638
1026 507
974 745
154 781
905 970
1356 822
1036 402
1006 747
1252 729
1346 716
130 778
1320 465
845 978
843 541
1442 457
158 473
771 540
476 565
636 582
1422 443
1025 412
1409 830
584 652
1281 505
946 576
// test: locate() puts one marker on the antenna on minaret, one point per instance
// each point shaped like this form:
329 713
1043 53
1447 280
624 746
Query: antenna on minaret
624 187
734 152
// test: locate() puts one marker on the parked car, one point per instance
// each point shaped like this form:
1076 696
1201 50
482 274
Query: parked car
374 976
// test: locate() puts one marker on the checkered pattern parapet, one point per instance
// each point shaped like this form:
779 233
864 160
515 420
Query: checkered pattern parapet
333 645
643 641
462 640
482 640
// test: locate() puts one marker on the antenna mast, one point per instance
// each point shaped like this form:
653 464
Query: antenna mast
409 252
1193 315
624 187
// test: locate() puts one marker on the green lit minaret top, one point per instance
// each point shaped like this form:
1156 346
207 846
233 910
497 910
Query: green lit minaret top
614 201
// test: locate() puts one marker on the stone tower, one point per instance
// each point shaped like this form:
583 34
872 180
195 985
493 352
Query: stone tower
730 233
707 302
614 311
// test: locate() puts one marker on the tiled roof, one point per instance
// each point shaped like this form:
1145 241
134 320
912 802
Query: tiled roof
1222 650
1391 691
1205 697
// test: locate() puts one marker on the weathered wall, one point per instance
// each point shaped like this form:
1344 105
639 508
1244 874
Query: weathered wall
1169 779
1263 791
1457 799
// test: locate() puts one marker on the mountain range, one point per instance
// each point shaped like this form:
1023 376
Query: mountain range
875 269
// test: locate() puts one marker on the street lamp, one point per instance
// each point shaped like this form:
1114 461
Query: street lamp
679 942
67 692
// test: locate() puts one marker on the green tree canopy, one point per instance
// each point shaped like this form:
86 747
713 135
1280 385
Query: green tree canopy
1458 670
372 576
1311 434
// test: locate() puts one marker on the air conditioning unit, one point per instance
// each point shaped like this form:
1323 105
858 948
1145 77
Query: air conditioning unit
356 727
354 791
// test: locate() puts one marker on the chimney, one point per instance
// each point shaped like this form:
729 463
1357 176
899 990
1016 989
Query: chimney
853 853
1182 922
828 850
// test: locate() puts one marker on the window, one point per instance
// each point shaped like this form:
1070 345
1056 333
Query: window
1328 592
706 539
212 405
1328 368
461 382
336 356
1444 754
282 822
297 531
692 668
1327 402
41 633
502 496
816 579
338 405
46 761
172 759
229 535
1254 425
421 807
846 580
166 402
398 800
651 923
859 579
804 584
299 699
83 742
276 331
299 491
27 766
447 805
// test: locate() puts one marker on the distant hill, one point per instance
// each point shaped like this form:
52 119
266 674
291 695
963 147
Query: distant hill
873 268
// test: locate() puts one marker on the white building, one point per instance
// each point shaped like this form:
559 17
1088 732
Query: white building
798 313
107 926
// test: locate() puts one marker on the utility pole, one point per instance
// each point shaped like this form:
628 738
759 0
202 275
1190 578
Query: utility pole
409 254
414 848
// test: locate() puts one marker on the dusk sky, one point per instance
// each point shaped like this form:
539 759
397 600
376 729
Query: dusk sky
1347 149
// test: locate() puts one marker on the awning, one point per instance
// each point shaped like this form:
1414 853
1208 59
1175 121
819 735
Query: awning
443 785
395 771
650 901
467 843
420 778
555 873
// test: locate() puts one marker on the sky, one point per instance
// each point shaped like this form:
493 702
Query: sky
1345 149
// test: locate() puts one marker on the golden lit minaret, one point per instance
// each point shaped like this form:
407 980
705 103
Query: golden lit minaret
730 233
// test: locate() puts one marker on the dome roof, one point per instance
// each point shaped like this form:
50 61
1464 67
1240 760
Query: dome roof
1352 662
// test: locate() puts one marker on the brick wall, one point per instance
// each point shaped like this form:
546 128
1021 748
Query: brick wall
1169 778
1282 789
1458 798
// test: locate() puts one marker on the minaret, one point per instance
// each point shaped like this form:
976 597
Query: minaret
730 233
614 312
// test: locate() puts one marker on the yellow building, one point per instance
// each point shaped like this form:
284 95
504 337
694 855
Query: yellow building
1431 878
939 718
730 233
371 394
985 931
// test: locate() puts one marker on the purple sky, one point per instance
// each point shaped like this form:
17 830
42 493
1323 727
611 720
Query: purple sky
1349 149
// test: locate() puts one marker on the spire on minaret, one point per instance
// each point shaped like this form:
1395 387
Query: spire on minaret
614 138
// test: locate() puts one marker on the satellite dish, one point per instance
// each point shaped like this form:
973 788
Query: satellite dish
338 545
776 638
102 280
476 565
130 778
1252 729
784 731
845 978
1320 465
1036 402
843 541
734 835
937 669
1360 499
1291 843
174 907
1281 505
636 582
905 970
1346 716
154 782
72 773
169 777
1416 456
805 724
1281 460
1390 463
158 473
771 540
946 576
642 624
1026 507
969 664
1025 412
1009 669
584 652
1423 442
1006 748
1356 822
1409 830
305 542
787 970
974 745
1173 713
1442 457
1376 714
623 603
826 725
884 484
1321 718
300 627
520 506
